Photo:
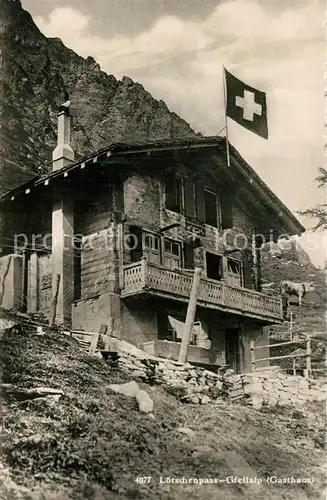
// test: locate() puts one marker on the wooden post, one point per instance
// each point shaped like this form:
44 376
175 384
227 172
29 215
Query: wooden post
252 356
308 358
291 325
5 274
182 358
144 271
33 292
55 300
94 343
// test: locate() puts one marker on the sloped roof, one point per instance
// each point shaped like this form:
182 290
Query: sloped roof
117 151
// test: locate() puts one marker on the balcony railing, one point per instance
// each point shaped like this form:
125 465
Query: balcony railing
145 277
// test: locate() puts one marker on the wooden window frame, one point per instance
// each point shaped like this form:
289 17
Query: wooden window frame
163 251
181 194
158 252
218 207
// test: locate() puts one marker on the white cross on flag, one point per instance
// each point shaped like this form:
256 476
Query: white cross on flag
246 105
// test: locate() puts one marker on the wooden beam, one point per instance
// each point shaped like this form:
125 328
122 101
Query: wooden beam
33 272
191 310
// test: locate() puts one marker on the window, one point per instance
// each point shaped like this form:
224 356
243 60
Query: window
174 193
213 266
151 247
234 269
211 208
134 243
171 254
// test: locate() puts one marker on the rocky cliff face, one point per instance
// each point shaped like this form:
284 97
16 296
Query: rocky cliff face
35 73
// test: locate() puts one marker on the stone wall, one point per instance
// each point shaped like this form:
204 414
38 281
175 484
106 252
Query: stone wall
196 385
188 383
271 388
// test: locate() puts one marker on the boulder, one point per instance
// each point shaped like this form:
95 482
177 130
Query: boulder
205 400
130 389
6 324
138 373
144 401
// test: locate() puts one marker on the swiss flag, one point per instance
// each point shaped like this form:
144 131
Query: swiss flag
246 105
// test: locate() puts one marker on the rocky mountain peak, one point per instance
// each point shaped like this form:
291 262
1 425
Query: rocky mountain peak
36 73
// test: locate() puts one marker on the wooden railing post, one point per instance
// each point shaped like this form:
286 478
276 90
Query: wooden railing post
223 293
308 358
144 271
291 325
252 354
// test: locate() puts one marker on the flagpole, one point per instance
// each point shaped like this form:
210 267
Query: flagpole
225 105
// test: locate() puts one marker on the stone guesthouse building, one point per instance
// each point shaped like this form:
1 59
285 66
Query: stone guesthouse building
118 233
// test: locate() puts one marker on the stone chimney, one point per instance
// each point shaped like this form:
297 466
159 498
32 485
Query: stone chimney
63 153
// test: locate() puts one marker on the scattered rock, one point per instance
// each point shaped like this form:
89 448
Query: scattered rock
219 385
203 450
139 373
54 397
187 431
48 390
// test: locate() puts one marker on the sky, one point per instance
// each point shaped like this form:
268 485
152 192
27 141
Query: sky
176 49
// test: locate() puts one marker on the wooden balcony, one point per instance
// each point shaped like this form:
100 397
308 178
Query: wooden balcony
147 278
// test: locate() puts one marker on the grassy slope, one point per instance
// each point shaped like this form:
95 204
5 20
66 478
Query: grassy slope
308 319
311 317
92 444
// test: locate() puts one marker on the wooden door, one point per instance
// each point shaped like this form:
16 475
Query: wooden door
233 349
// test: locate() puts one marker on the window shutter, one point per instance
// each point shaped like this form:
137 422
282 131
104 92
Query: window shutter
226 211
188 256
135 240
189 198
200 211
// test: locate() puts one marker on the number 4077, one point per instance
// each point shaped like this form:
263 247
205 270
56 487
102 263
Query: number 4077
143 479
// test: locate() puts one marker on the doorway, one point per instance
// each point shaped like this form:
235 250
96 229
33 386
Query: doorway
232 343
